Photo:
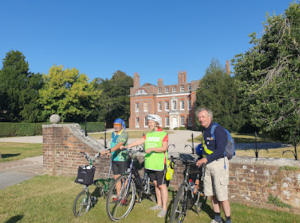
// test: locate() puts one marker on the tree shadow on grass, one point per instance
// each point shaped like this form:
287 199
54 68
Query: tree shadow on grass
8 155
14 219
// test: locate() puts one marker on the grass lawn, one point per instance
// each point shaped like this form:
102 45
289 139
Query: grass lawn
50 199
15 151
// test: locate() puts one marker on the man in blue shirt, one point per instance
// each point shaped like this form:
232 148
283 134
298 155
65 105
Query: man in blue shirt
217 166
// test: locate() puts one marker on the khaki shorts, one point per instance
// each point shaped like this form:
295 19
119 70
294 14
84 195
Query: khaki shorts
216 179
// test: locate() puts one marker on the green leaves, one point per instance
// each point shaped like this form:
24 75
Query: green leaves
68 93
268 76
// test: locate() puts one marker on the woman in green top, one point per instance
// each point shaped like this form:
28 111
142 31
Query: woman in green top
119 158
156 145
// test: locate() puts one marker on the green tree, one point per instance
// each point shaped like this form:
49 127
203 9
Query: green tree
18 89
217 91
68 93
268 76
115 101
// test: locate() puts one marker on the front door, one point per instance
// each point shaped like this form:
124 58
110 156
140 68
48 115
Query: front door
174 123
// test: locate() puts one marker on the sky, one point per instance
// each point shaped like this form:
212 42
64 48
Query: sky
155 38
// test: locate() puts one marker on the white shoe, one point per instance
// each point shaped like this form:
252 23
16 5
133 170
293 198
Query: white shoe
162 213
155 208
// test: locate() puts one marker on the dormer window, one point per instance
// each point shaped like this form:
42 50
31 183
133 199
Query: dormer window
182 88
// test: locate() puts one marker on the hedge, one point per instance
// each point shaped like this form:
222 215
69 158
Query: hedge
31 129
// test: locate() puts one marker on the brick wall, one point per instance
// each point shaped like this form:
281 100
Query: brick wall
251 180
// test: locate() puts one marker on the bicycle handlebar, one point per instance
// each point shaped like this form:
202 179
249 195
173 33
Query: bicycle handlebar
90 158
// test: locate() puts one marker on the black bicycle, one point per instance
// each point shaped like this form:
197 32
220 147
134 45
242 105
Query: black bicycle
187 197
127 189
84 201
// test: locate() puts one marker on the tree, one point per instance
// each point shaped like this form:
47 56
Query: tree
115 101
268 76
217 91
18 89
68 93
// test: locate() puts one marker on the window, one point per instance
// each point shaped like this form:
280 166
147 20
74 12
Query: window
174 105
173 89
159 107
167 90
137 122
181 88
159 90
140 92
145 107
136 107
182 105
145 122
167 121
167 106
190 87
182 120
190 105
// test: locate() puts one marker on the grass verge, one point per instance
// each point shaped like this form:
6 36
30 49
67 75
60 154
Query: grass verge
49 199
15 151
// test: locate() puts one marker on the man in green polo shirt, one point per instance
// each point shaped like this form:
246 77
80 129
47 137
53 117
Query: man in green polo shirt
156 145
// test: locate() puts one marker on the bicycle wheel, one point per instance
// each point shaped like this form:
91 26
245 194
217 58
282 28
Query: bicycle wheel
82 203
119 205
178 211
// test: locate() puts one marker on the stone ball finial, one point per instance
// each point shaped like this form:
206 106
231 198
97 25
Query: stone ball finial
54 119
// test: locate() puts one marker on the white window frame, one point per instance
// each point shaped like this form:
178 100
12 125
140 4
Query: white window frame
145 107
167 121
159 106
190 105
167 108
182 88
137 122
137 109
181 103
145 122
190 87
172 104
159 90
174 89
166 90
182 119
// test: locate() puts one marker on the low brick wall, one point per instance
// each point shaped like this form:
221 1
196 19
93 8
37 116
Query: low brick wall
251 180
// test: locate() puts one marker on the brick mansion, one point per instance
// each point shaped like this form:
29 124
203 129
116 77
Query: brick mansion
174 103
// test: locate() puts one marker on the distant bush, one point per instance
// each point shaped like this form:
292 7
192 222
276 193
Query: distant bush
93 126
180 128
31 129
166 128
20 129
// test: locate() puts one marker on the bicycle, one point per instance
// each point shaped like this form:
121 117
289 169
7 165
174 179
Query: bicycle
118 206
84 201
185 198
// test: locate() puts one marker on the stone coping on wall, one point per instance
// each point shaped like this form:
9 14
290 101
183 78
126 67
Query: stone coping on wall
278 162
79 134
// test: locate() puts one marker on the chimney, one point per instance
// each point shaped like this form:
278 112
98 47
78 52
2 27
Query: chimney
227 67
182 77
160 82
136 80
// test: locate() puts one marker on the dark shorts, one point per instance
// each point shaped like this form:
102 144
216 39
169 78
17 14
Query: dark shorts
158 176
119 167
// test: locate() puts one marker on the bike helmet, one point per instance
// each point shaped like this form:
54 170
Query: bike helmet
199 149
155 118
120 121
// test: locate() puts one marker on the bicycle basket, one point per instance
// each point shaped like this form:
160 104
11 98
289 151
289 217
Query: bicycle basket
85 175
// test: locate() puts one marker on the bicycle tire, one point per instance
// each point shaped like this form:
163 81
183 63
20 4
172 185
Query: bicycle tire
178 211
118 207
82 203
